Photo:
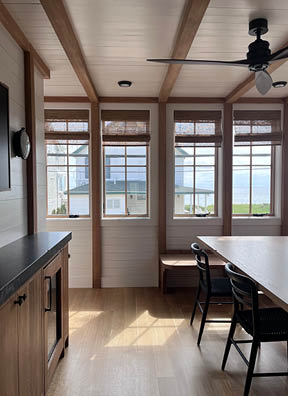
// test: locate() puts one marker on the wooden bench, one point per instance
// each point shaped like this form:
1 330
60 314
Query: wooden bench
180 262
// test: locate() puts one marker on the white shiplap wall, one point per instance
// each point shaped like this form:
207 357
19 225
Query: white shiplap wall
80 248
13 204
181 232
40 152
130 246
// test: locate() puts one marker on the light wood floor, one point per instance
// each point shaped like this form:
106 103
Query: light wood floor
138 342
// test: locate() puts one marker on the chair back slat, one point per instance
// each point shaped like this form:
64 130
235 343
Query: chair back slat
202 261
244 292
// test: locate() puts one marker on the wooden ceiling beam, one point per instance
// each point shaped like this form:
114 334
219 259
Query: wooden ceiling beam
61 23
14 30
66 99
249 82
189 24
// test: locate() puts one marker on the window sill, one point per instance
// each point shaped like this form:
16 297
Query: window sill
68 218
246 220
127 221
210 220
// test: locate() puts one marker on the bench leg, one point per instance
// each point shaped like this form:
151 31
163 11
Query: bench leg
164 280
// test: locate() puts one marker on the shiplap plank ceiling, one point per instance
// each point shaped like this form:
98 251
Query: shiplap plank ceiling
117 36
32 19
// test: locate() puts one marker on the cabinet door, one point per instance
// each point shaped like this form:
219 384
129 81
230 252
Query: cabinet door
65 296
8 349
53 317
30 338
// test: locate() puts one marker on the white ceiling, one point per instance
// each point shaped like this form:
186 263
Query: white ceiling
117 36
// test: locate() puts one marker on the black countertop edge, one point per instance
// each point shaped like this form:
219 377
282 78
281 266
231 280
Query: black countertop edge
21 259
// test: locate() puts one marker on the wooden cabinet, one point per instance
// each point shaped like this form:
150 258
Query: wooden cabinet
30 338
34 330
21 342
9 349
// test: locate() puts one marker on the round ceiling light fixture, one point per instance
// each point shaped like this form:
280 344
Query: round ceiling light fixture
279 84
124 83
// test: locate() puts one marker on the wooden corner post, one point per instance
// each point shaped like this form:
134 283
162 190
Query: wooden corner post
162 178
284 197
227 168
31 130
96 193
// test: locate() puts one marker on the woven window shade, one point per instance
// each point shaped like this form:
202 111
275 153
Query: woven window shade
65 115
201 128
66 124
257 127
125 127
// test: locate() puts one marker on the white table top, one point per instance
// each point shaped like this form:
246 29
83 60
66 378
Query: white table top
264 259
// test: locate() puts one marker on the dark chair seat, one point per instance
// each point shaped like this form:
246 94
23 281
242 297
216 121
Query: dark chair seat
221 287
273 323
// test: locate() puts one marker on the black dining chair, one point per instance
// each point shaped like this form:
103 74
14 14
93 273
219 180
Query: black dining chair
210 287
263 324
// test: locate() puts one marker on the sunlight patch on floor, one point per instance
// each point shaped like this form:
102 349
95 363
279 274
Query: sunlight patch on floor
78 319
142 331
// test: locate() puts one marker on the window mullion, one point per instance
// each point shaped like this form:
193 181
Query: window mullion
250 176
68 189
126 201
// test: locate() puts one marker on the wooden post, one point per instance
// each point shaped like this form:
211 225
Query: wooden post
162 178
31 130
227 168
95 180
284 193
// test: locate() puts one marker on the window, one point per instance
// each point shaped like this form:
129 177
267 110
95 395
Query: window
67 153
197 136
256 134
125 154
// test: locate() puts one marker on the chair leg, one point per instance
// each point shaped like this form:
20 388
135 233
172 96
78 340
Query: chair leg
204 315
251 365
228 343
195 305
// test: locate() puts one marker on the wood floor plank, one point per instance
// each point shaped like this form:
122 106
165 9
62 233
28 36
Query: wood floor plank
138 342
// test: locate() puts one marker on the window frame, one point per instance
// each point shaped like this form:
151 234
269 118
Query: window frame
216 179
125 166
66 138
272 183
198 140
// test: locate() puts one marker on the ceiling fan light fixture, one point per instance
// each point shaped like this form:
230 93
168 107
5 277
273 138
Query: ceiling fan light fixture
279 84
263 81
124 83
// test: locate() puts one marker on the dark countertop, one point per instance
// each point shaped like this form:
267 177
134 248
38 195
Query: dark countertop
21 259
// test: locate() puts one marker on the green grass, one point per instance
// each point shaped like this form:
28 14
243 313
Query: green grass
256 208
241 208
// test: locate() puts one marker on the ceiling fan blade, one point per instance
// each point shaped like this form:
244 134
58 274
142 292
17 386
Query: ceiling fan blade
263 81
281 54
243 62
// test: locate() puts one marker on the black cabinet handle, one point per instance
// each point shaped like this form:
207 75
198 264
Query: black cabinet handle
20 299
50 293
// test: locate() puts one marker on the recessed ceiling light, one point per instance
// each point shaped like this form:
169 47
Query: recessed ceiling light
124 83
279 84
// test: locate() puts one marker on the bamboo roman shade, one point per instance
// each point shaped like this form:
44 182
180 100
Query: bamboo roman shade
66 124
257 127
201 128
125 127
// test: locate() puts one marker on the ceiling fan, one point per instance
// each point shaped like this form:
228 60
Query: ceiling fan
258 58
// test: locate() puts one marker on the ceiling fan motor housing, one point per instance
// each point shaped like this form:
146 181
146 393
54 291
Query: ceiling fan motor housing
259 49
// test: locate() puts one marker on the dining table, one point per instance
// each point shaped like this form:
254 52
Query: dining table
264 259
